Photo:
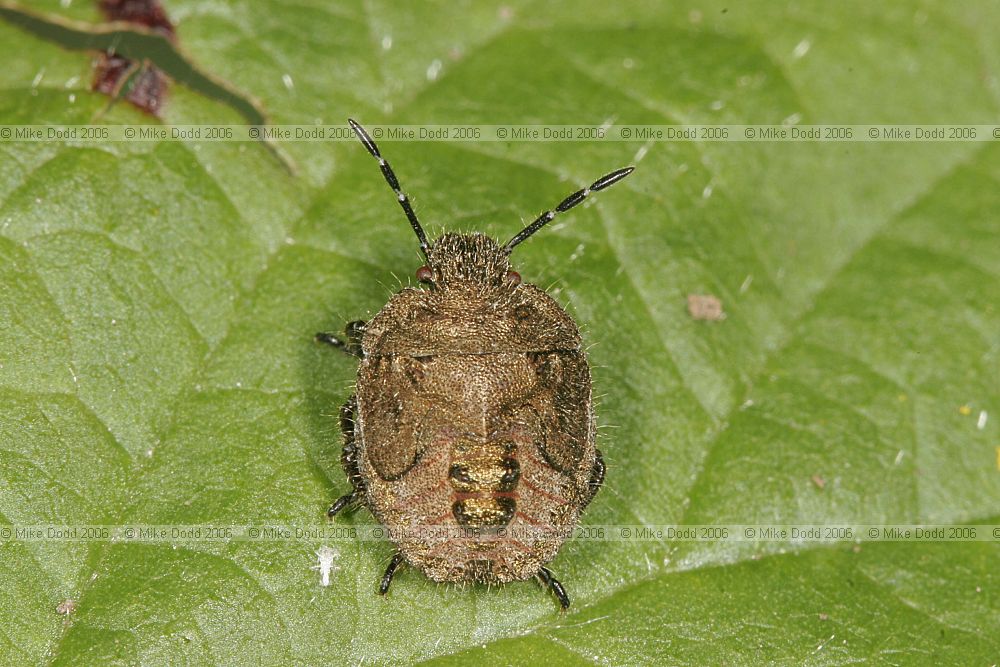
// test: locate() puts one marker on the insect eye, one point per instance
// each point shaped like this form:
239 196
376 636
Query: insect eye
425 274
513 278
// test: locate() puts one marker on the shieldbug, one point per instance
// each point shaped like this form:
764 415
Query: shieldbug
472 410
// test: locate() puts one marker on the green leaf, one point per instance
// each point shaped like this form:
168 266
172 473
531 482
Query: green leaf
157 303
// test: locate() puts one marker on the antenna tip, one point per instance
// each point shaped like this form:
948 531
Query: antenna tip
364 138
612 178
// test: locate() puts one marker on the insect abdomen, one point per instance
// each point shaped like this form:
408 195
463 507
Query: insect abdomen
478 442
484 478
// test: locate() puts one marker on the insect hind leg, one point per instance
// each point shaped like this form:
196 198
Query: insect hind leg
390 572
545 576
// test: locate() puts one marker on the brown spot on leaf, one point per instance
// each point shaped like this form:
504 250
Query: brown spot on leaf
147 85
141 83
66 607
144 12
705 307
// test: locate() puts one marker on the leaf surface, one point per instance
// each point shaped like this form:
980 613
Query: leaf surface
157 303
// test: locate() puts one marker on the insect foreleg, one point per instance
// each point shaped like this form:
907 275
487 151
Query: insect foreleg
353 333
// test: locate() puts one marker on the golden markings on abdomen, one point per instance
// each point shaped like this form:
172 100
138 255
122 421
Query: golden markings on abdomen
484 478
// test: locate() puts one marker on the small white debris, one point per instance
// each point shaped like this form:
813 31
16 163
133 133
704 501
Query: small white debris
801 49
747 404
628 63
433 70
824 643
287 80
38 78
72 81
66 607
793 119
746 283
981 422
899 457
387 42
641 153
707 192
716 105
326 557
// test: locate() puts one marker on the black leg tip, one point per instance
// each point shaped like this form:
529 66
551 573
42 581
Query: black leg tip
328 338
340 504
390 571
545 576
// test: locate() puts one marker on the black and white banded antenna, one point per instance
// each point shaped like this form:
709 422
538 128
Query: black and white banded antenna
390 178
566 204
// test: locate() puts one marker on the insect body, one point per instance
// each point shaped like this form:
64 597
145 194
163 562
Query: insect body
473 411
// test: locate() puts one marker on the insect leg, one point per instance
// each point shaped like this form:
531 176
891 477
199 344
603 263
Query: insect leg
596 475
341 503
545 576
354 331
396 561
349 459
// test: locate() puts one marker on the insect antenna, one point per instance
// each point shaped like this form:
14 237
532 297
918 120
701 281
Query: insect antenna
390 178
566 204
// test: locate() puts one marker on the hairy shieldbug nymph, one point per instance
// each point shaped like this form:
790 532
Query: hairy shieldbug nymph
472 410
